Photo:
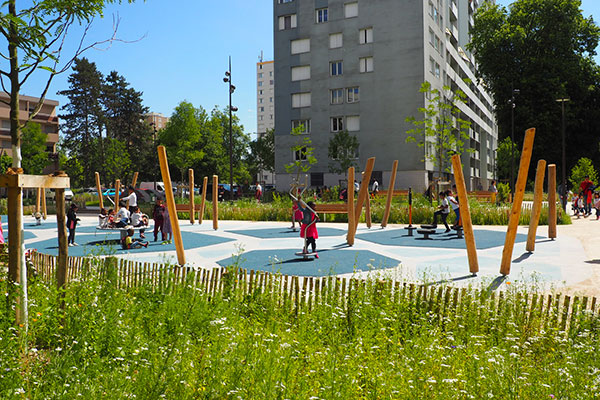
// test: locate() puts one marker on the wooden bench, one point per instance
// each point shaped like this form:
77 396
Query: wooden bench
383 193
186 207
326 208
483 195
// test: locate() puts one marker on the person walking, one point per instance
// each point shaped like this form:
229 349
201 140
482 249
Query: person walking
587 188
72 223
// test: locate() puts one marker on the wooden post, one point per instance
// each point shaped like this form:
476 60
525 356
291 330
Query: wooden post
368 211
117 193
390 194
44 209
465 214
166 175
552 201
15 253
364 191
513 222
350 199
203 203
215 201
192 206
63 249
99 189
135 178
38 199
537 205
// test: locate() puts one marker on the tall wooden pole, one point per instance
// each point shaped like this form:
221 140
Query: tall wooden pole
135 178
368 211
465 214
364 191
166 176
350 190
99 189
15 253
552 201
63 249
536 210
215 201
192 206
38 199
390 194
203 203
44 209
117 192
515 213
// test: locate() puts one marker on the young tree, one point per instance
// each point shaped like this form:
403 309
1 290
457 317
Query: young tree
303 153
262 153
219 121
442 131
342 152
5 163
583 168
504 158
35 157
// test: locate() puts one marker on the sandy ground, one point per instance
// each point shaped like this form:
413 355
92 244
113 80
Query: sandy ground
587 231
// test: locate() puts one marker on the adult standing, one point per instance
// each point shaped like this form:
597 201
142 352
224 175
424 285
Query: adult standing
258 192
587 188
493 187
72 223
131 198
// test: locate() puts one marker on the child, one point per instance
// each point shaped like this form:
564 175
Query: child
296 215
455 207
1 232
597 204
123 215
103 218
72 223
443 211
581 205
137 220
111 218
158 215
308 229
167 229
130 243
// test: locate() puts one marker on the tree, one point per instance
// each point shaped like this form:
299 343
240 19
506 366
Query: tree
342 152
303 153
74 169
5 163
546 49
35 157
262 153
504 158
112 160
442 131
583 168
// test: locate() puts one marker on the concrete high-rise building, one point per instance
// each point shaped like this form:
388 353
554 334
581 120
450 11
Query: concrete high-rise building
46 118
265 106
357 65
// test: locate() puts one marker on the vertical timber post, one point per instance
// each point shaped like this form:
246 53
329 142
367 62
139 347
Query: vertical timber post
536 210
552 201
166 175
63 249
515 213
192 206
465 215
215 201
203 203
117 193
364 191
99 189
44 209
350 199
390 194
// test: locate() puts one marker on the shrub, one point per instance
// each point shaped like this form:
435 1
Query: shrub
583 168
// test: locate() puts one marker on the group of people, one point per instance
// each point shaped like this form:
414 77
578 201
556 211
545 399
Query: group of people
586 200
448 200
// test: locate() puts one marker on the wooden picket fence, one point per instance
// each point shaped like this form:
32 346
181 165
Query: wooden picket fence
556 311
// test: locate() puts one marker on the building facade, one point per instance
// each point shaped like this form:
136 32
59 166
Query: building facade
265 106
358 65
46 118
156 120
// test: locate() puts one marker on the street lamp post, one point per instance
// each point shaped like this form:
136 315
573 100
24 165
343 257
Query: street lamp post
227 79
512 137
564 154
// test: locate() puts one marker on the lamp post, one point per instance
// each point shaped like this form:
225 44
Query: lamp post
512 139
564 154
227 79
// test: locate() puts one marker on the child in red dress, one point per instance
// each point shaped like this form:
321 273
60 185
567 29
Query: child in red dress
308 228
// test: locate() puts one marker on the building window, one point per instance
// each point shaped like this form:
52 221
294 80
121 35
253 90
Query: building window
271 116
335 40
353 123
270 99
336 68
260 83
262 109
365 36
287 22
366 64
351 10
434 67
301 73
337 96
270 73
260 100
285 1
271 82
316 179
260 117
353 94
260 91
260 74
300 100
300 155
337 124
322 15
300 46
304 123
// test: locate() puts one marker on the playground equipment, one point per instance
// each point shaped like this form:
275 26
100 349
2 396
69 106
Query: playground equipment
552 201
410 226
537 205
115 202
390 194
465 214
304 253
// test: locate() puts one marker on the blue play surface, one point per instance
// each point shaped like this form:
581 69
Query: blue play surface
281 233
104 243
484 239
330 262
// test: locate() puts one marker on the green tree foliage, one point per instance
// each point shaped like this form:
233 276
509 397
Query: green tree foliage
303 153
546 49
262 153
504 158
342 152
33 149
442 131
74 169
111 158
583 168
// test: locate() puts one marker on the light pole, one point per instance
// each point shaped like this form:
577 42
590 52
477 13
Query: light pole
512 139
227 79
564 154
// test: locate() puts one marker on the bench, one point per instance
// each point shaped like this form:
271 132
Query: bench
426 233
335 208
186 207
382 193
410 229
483 195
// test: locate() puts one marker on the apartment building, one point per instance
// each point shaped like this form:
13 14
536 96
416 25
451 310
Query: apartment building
357 65
265 106
156 120
46 117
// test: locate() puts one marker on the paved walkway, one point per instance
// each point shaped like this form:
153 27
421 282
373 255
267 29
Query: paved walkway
571 262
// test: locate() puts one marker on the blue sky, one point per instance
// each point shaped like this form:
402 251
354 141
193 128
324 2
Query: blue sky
184 48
